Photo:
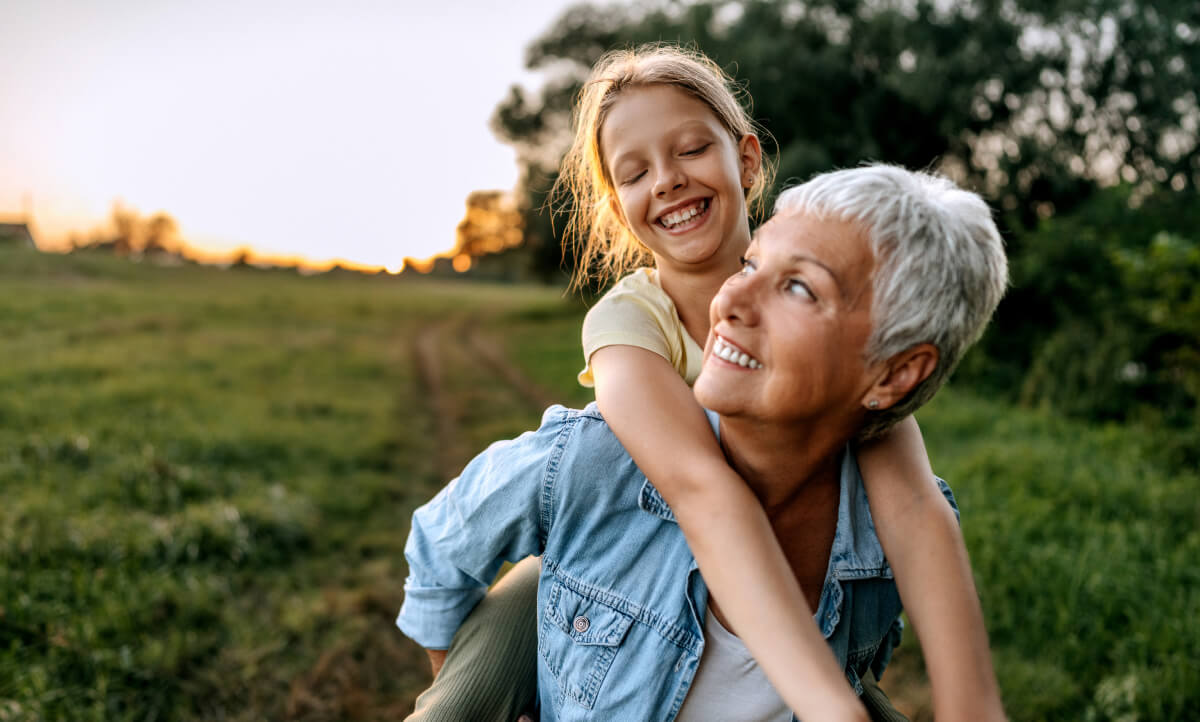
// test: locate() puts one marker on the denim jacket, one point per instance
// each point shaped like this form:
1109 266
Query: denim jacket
621 603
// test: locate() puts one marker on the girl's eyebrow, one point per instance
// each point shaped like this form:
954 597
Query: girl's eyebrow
683 127
690 124
622 157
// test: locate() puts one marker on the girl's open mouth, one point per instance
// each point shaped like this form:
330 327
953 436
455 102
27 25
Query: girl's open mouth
685 218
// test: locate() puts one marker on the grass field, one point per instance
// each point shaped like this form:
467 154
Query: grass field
207 477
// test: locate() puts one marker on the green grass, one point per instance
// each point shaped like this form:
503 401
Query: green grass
207 478
207 481
1084 546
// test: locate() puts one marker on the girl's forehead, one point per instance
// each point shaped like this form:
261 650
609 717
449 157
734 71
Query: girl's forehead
644 113
660 104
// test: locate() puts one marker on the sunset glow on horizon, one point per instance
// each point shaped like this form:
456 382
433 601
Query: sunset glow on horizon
303 132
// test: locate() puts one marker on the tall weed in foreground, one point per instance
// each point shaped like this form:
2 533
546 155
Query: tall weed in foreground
1084 546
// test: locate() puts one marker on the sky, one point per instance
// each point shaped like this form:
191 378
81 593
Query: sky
326 131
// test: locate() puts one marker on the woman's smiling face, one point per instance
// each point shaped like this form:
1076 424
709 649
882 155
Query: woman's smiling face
679 176
800 314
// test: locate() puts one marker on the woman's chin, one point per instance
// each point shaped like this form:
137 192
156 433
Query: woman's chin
710 393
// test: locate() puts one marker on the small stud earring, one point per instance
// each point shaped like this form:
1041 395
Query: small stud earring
873 404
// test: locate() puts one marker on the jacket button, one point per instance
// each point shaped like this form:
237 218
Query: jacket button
581 624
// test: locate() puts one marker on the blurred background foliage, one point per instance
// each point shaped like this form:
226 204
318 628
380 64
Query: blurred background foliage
1076 119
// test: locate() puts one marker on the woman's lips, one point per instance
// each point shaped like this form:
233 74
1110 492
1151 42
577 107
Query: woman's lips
727 351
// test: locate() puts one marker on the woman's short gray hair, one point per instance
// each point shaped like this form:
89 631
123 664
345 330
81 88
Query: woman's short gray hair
940 268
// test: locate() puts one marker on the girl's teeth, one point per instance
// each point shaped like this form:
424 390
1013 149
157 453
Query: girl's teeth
677 217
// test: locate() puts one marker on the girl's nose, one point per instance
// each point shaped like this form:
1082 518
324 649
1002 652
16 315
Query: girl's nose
669 179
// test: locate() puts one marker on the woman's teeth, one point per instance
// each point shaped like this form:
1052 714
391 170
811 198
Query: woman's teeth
734 356
675 218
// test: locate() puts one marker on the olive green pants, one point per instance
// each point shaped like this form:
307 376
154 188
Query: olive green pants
491 667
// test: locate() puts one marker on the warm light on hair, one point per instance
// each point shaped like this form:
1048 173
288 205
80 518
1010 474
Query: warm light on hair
605 247
940 267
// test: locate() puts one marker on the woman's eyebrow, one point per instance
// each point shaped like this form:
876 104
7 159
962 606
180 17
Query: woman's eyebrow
805 258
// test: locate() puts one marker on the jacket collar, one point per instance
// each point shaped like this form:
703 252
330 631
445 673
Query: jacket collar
856 552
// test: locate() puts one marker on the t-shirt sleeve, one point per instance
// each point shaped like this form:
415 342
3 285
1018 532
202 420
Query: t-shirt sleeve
628 318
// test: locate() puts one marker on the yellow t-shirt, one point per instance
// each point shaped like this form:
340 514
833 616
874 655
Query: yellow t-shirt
637 312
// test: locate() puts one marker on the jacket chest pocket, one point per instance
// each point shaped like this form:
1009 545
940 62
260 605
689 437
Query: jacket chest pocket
578 638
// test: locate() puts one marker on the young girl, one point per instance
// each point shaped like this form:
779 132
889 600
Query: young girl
664 164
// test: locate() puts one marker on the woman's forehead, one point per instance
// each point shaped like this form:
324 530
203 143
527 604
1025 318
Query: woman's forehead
832 241
840 247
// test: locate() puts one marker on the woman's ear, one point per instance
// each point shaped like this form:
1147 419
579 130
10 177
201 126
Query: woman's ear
750 155
901 374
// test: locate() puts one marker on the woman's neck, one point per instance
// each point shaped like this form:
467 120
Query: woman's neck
797 479
784 465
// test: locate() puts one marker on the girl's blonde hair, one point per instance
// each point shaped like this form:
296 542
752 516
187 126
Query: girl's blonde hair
605 247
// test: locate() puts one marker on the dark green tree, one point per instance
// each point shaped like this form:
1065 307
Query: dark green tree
1040 106
1034 103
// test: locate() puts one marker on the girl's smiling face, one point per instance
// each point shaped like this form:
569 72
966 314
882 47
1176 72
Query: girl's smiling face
679 177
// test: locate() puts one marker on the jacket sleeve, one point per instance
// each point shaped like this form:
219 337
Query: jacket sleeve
492 513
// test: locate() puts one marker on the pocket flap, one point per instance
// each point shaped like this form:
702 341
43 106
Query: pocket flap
585 620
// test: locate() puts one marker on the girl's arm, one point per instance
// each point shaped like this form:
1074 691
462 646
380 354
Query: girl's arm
924 545
654 415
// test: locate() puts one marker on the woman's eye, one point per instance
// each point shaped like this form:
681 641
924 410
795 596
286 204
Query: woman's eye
797 287
748 266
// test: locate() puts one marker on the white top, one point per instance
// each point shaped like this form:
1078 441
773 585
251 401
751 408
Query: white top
729 684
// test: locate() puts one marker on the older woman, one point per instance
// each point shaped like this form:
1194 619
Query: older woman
857 299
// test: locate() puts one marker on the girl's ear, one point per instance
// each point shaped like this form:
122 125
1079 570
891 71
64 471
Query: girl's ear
750 155
899 375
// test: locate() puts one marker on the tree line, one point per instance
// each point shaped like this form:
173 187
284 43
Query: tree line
1076 119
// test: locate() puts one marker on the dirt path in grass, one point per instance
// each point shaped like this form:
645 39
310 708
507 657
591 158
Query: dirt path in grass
493 354
446 412
431 350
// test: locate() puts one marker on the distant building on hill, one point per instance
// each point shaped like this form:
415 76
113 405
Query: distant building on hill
12 234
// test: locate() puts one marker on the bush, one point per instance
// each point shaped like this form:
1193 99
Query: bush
1102 319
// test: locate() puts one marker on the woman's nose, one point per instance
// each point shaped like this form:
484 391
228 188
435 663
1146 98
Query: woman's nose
738 299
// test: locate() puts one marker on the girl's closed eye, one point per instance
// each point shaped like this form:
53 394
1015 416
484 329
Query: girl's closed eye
697 150
633 178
